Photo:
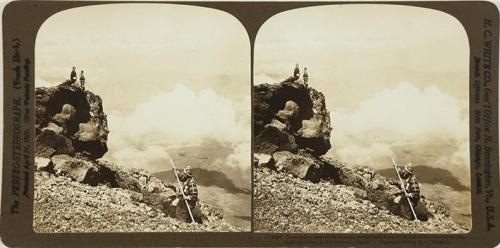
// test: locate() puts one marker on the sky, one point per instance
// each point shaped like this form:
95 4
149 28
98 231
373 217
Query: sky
395 79
169 76
132 51
148 61
373 46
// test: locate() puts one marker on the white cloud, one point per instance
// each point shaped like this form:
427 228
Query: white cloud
409 112
458 163
135 158
182 117
424 126
237 163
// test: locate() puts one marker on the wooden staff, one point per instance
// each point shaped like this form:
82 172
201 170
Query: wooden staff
404 188
182 190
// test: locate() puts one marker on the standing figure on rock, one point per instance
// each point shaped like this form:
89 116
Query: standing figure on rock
412 188
73 75
296 72
82 80
190 191
305 76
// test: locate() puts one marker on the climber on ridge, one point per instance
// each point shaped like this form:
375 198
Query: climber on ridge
73 75
82 80
410 192
305 76
188 196
296 72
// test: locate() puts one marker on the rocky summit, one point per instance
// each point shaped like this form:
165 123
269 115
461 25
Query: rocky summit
296 189
64 205
78 191
70 120
284 203
290 116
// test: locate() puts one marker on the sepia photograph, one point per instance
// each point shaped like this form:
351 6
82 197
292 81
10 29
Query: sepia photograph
255 124
361 125
143 121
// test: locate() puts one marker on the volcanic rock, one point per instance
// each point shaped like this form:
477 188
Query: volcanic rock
300 206
50 141
76 191
271 139
288 114
70 120
298 190
65 206
297 165
54 128
262 159
42 163
66 116
303 107
136 180
77 169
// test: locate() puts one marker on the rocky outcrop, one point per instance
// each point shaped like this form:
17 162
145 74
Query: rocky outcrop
70 120
42 164
80 170
365 183
292 127
81 195
101 188
62 205
101 172
286 204
301 166
78 191
290 116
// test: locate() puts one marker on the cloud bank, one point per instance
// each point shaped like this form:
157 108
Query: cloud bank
182 117
424 126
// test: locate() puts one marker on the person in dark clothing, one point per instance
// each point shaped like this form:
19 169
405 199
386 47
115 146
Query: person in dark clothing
190 190
82 79
73 75
305 76
412 188
296 72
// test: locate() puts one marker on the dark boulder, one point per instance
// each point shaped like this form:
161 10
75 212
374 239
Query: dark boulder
271 139
43 164
132 179
300 166
48 143
80 170
263 160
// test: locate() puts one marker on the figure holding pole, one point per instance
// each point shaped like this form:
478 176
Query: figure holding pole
189 192
411 190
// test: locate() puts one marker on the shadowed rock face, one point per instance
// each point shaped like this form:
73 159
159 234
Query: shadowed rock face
292 126
77 169
307 124
302 166
70 120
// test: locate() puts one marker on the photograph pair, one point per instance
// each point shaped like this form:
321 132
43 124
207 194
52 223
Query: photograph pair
150 120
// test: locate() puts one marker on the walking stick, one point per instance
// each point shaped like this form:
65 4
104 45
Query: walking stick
182 190
404 188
